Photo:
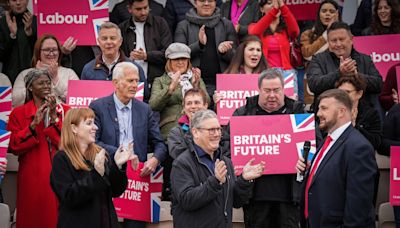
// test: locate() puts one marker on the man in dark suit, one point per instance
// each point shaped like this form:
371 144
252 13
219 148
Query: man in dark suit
338 189
122 119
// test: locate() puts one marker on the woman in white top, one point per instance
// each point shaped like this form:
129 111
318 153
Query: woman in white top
46 55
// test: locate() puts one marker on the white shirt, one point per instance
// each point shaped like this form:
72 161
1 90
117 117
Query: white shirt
139 30
335 136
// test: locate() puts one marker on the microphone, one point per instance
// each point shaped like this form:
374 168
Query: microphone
306 151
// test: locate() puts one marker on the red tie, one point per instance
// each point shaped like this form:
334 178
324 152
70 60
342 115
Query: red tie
312 172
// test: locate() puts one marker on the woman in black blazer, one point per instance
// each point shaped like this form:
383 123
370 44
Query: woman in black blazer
84 177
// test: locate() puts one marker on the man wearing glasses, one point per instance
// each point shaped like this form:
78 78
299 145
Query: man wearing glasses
203 181
275 198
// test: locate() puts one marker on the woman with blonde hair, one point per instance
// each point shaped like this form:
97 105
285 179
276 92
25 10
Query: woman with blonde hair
84 177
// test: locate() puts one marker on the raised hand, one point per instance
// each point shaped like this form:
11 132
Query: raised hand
149 166
202 35
395 96
99 161
347 66
251 172
225 46
11 23
196 77
220 171
39 115
51 101
69 45
27 20
123 155
217 97
175 78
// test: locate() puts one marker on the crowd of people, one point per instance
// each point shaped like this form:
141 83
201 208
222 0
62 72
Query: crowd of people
72 162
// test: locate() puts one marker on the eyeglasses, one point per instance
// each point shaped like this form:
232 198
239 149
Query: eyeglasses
49 50
212 131
204 1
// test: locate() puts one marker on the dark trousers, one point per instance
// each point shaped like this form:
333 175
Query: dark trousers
397 215
271 214
134 224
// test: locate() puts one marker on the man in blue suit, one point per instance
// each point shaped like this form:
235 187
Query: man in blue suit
338 188
122 119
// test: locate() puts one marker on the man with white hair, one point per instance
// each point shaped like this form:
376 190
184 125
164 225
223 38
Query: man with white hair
122 119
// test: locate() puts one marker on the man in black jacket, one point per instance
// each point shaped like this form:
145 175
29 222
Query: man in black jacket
342 59
146 37
275 198
203 180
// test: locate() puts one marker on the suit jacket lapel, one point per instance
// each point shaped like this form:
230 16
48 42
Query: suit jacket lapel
134 118
113 116
332 151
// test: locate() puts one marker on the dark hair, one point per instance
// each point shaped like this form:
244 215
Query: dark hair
38 46
195 91
339 95
318 27
339 25
376 25
32 76
130 2
281 26
271 73
356 80
238 58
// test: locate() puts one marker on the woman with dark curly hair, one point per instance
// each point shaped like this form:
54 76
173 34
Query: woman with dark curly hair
386 18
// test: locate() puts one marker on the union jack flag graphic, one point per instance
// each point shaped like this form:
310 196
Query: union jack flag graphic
140 91
98 4
302 122
5 105
96 25
156 177
313 149
4 141
289 80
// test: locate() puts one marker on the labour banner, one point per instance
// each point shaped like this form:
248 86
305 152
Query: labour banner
5 105
398 80
142 197
82 92
236 87
80 19
394 176
275 139
384 50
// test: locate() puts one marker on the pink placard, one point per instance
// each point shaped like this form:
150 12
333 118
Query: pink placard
142 197
236 87
5 105
82 92
303 9
275 139
394 176
384 50
398 80
78 18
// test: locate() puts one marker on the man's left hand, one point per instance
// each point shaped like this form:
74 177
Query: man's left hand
149 166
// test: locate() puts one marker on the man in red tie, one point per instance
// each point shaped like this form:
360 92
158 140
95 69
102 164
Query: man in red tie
338 189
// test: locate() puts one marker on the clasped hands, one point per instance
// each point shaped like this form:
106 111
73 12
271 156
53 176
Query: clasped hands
250 171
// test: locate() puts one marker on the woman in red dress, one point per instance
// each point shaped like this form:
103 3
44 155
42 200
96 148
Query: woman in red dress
35 135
